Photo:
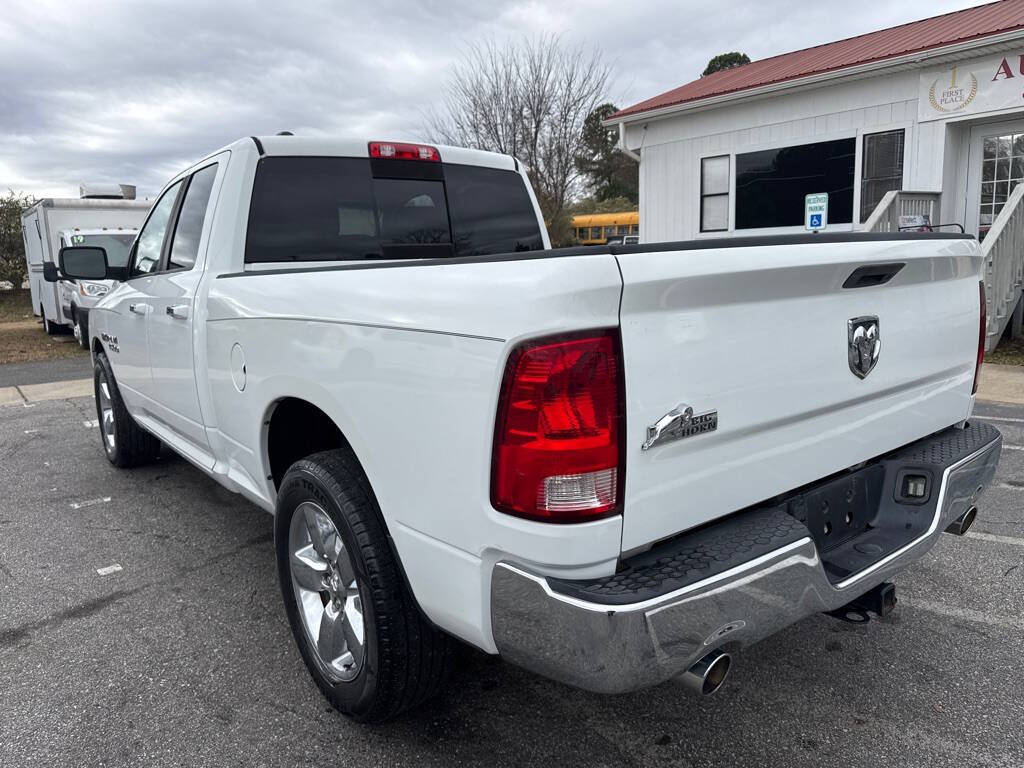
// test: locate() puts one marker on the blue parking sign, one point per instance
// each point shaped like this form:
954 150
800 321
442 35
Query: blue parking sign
815 220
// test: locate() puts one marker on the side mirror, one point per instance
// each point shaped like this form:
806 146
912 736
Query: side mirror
50 273
83 262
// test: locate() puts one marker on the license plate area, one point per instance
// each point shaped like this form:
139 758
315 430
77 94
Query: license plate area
840 509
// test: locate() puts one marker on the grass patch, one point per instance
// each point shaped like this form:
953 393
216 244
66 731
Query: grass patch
15 306
1009 352
22 338
24 342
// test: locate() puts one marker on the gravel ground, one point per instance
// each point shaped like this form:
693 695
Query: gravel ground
184 657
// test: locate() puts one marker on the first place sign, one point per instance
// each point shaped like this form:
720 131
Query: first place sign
816 211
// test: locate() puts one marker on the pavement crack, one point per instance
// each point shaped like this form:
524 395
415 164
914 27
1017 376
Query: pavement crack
1011 569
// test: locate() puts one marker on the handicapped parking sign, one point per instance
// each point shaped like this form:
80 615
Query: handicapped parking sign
816 211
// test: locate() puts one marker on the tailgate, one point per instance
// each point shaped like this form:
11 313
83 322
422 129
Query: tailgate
759 334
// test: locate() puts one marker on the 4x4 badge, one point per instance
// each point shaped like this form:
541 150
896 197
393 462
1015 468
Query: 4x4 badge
864 344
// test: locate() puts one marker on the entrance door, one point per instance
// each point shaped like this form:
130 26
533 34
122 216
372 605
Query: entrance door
995 167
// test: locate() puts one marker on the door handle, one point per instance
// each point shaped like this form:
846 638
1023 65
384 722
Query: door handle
179 311
139 309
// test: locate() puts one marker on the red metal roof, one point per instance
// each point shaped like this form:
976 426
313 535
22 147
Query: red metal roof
936 32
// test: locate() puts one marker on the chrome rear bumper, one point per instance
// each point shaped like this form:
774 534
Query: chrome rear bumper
624 647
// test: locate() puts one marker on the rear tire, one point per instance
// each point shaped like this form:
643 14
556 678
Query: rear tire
375 655
124 441
52 329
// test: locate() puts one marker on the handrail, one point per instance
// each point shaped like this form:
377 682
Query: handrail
881 213
896 203
1003 249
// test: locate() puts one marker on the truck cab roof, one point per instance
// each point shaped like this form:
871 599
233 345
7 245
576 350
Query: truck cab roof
316 146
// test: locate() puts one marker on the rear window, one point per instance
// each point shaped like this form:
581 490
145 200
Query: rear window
320 209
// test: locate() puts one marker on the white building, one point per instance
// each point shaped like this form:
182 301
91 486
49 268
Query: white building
923 119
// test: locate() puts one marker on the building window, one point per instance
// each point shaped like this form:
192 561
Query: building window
1002 169
771 184
881 169
714 194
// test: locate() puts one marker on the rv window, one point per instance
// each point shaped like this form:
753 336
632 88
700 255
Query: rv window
116 246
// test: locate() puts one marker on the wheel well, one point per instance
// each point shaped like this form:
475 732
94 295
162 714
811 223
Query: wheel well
297 429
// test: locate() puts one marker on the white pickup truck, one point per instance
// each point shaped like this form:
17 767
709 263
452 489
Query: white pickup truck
612 466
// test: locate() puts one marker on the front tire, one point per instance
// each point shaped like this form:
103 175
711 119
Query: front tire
366 644
81 330
124 441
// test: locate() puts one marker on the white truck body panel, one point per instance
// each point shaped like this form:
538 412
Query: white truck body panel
760 335
407 358
31 230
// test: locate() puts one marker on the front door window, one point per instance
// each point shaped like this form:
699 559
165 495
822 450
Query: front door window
1002 167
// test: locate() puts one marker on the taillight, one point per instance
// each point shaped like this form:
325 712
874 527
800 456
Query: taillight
391 150
558 453
982 332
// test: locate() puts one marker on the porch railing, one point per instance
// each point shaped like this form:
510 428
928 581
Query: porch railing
896 203
1003 249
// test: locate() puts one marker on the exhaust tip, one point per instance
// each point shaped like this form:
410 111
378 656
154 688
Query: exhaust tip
707 675
962 524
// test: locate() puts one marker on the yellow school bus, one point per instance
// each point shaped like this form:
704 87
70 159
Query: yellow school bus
596 228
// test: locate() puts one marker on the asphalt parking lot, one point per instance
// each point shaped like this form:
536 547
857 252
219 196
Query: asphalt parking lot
184 657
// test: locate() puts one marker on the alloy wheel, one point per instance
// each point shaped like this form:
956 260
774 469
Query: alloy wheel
326 591
106 413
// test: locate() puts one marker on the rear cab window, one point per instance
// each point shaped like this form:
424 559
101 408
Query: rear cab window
345 209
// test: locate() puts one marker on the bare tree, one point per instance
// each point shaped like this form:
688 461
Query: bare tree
529 99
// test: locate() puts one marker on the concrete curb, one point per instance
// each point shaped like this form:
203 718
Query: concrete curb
1002 383
10 396
58 390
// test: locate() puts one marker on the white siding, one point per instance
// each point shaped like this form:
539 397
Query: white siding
671 148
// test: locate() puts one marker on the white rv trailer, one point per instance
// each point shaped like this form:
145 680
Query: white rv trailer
41 227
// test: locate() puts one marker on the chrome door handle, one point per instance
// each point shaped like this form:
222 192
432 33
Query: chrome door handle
139 309
179 311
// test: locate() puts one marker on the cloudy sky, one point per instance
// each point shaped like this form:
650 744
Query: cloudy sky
134 91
